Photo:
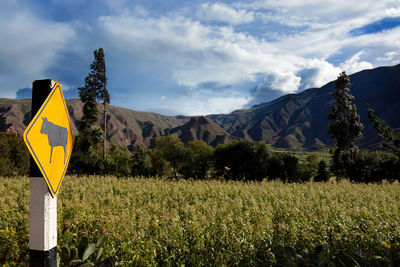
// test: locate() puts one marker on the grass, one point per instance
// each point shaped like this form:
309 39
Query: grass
149 222
302 154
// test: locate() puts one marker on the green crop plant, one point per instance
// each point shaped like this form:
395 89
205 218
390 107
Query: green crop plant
157 222
85 255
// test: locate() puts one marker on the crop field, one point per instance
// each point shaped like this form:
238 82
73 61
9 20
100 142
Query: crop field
151 222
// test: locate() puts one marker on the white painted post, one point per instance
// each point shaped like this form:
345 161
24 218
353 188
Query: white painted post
42 216
42 205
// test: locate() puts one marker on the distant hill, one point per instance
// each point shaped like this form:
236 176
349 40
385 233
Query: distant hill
124 126
202 128
300 120
294 121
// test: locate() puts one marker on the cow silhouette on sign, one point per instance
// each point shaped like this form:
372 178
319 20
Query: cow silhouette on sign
57 135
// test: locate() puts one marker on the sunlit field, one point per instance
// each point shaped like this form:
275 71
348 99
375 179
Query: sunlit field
200 223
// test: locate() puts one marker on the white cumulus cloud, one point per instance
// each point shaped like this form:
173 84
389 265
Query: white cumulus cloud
212 57
393 57
224 13
32 45
354 64
199 105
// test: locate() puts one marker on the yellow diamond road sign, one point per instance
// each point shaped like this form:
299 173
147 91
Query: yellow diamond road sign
49 138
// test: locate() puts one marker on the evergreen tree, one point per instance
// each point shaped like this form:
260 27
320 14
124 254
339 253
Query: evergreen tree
86 156
391 140
95 90
346 130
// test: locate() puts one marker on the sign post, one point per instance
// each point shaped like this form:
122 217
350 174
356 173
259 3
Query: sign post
49 140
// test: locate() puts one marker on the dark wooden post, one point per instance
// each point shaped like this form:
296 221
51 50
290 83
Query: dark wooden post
42 205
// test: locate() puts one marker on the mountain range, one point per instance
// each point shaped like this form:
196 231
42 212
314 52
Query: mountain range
294 121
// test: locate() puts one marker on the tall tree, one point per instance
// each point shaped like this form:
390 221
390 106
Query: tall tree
198 159
391 139
346 130
95 89
171 149
242 160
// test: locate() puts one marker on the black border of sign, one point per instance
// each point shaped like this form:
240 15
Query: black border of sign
56 86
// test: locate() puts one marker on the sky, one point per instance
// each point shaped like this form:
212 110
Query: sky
194 57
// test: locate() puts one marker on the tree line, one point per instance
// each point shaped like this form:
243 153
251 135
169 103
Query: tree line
238 160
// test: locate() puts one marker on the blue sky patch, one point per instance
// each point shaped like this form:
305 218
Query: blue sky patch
377 26
192 57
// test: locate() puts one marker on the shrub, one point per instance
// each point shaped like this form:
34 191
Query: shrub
86 163
242 160
308 169
283 166
375 167
142 163
275 167
87 153
198 160
322 173
291 168
119 161
160 165
14 156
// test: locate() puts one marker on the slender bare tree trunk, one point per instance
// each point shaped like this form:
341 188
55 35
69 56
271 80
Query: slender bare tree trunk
105 139
105 133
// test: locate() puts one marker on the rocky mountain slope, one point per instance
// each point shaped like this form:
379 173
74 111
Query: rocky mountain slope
124 126
300 120
202 128
295 121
